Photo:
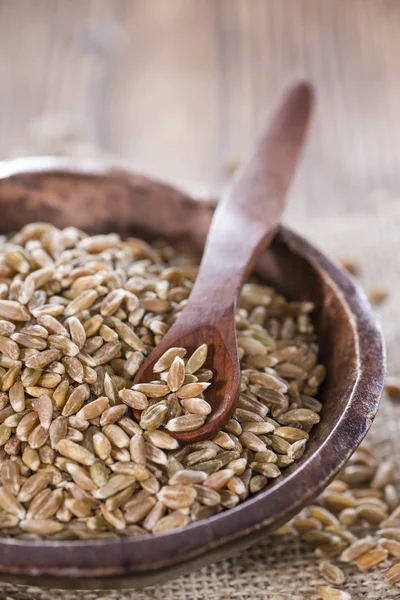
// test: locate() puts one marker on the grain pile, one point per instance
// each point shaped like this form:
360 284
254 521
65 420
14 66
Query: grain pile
78 314
354 522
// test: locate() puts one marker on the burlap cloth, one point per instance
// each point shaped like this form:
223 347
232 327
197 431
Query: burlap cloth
283 568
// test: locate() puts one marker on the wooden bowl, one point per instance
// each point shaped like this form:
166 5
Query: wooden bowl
99 199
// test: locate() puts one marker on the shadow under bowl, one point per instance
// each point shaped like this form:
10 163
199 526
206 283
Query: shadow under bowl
97 198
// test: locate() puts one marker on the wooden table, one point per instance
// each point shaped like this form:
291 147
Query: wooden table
179 88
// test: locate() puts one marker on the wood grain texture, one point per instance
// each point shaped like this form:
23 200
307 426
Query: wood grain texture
180 88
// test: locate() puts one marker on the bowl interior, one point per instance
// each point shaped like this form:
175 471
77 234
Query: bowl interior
132 205
116 201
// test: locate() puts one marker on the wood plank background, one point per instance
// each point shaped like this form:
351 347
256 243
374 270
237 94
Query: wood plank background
179 88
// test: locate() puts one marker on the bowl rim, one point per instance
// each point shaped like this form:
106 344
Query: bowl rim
63 562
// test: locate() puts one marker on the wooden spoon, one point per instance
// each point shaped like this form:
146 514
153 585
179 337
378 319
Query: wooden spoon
244 224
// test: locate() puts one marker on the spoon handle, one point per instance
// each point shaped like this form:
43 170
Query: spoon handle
248 214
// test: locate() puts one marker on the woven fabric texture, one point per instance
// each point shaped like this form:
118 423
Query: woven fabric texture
283 568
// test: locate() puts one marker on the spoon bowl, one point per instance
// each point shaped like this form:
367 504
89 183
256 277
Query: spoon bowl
220 338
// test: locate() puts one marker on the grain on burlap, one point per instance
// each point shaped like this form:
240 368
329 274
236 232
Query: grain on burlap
284 568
